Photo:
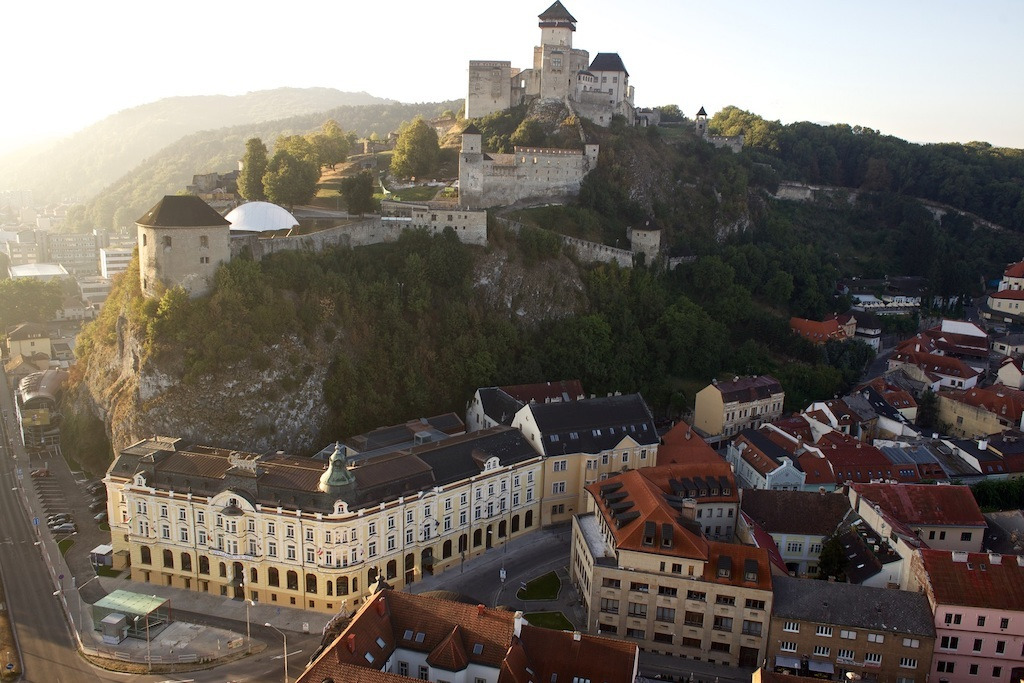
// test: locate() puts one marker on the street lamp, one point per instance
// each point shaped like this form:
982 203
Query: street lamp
285 638
248 632
149 652
81 600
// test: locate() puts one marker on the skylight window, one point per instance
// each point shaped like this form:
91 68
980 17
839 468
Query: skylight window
380 643
369 657
407 635
420 636
478 648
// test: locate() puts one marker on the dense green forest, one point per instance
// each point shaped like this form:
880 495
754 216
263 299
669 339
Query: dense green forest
977 177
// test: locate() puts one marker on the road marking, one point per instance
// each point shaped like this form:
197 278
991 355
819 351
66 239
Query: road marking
289 654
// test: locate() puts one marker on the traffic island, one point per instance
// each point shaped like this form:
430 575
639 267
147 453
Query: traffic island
544 587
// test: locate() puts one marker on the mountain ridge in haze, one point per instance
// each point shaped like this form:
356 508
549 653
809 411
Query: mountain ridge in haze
78 166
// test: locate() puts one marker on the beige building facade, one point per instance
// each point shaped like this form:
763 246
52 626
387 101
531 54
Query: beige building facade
648 575
305 533
727 408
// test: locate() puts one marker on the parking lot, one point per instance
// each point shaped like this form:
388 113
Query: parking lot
65 510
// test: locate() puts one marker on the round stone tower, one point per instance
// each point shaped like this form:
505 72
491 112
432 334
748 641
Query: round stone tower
182 242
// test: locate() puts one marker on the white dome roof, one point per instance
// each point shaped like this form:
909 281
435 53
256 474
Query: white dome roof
260 217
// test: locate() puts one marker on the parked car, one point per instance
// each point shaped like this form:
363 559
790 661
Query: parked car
98 505
102 517
95 488
58 519
36 474
68 528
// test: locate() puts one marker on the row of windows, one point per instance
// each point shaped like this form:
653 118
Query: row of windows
953 618
826 632
947 667
204 241
953 643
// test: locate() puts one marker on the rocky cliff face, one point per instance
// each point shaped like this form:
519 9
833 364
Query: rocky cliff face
280 407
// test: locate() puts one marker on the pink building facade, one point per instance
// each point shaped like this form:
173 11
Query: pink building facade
978 603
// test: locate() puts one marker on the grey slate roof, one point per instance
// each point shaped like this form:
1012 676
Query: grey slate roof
182 211
608 61
769 448
462 457
843 604
594 425
498 405
556 13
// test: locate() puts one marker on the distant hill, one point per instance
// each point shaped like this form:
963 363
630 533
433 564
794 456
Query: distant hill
170 169
79 166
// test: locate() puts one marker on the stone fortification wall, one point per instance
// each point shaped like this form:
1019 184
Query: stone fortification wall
586 251
535 174
730 142
373 230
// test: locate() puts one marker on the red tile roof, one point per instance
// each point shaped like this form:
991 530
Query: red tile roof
1010 294
1005 402
852 460
975 579
682 445
452 636
815 331
738 557
922 504
546 391
1014 270
934 363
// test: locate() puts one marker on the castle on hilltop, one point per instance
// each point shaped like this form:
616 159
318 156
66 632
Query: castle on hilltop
597 89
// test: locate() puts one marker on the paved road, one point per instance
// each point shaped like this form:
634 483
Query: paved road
48 649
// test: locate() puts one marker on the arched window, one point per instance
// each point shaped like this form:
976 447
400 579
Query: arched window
392 569
254 576
143 239
168 559
515 523
371 575
186 562
446 550
502 528
145 556
167 241
293 580
343 585
223 570
330 587
529 518
273 578
204 564
410 562
311 583
463 543
478 538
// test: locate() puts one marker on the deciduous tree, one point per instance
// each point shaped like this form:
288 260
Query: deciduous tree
358 192
416 151
254 165
290 180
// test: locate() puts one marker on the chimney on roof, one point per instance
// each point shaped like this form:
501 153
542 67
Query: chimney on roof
688 430
480 610
380 606
576 636
352 642
689 509
517 624
995 558
982 444
959 557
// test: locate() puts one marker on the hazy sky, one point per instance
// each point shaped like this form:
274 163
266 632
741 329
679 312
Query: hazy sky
926 71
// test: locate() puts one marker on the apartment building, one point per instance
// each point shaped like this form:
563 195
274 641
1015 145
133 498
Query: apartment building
944 517
396 504
647 574
727 408
977 600
849 632
396 637
583 442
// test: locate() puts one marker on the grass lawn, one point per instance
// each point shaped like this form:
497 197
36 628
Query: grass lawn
107 571
65 545
418 193
552 620
542 588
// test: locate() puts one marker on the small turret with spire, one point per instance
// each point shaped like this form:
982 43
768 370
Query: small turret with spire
336 476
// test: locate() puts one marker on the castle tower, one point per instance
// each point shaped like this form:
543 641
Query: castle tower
702 123
471 168
182 241
557 26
